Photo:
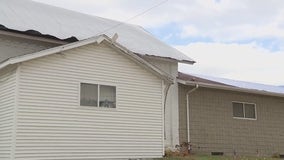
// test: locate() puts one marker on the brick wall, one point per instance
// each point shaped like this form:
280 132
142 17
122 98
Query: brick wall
213 128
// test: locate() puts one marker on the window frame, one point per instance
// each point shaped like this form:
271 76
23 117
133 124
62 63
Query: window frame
99 84
243 104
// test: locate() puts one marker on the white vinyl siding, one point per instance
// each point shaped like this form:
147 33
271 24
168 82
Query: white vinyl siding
7 106
53 125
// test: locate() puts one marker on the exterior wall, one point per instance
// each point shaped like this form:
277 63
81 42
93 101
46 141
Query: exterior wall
171 110
7 106
52 124
213 128
13 46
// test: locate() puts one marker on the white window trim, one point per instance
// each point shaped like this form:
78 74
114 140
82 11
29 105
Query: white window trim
98 83
244 111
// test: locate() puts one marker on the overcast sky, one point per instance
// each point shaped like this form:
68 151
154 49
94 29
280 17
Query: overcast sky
236 39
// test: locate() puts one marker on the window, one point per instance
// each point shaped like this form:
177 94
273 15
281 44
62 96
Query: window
98 95
244 110
89 95
107 96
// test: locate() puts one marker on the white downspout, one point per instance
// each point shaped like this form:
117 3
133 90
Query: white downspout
166 91
166 87
187 109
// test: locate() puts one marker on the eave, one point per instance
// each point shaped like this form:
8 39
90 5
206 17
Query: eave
230 88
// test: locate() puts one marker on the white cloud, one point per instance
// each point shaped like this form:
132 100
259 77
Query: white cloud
246 62
188 31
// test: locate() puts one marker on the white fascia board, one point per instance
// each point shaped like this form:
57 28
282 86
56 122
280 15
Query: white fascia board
168 59
187 62
230 88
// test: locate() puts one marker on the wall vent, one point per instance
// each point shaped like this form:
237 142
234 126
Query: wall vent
217 153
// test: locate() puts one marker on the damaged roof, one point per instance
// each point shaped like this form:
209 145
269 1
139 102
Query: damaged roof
189 77
97 40
37 18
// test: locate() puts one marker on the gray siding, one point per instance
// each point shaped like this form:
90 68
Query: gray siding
52 125
213 128
13 46
7 106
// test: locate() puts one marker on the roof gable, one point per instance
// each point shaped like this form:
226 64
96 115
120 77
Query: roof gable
27 15
98 40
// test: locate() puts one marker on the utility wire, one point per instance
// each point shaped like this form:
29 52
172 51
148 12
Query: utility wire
131 18
147 10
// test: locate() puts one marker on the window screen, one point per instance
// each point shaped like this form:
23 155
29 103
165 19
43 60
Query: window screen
89 95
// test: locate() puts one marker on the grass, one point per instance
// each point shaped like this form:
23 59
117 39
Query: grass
203 157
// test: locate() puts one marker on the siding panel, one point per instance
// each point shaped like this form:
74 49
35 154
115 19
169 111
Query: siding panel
52 125
7 105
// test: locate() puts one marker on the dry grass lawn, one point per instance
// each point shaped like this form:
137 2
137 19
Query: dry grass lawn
200 157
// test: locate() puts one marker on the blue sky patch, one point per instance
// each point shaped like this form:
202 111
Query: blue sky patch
271 44
171 34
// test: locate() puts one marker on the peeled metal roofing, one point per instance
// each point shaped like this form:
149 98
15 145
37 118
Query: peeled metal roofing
24 15
234 83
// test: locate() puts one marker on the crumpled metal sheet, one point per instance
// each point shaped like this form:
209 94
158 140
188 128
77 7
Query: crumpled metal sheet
25 15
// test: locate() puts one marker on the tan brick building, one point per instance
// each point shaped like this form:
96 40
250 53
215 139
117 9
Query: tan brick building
230 120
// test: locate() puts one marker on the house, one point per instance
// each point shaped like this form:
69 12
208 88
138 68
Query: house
221 116
74 86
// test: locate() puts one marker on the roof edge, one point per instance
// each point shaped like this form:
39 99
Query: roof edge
187 62
229 88
167 59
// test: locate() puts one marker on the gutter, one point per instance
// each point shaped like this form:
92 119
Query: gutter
187 109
